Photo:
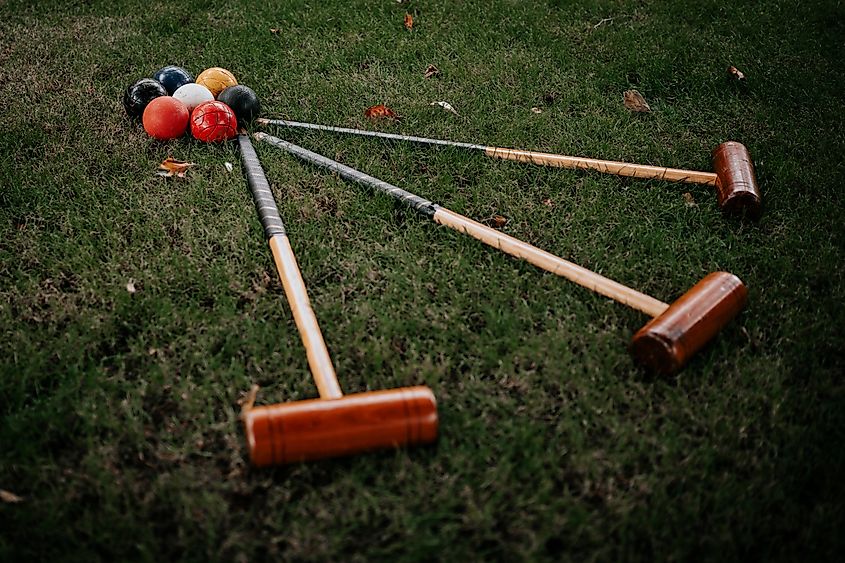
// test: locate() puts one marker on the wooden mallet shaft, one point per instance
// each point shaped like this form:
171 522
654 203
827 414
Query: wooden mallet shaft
703 310
334 424
734 179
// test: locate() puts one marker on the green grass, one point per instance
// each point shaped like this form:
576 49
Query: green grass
118 412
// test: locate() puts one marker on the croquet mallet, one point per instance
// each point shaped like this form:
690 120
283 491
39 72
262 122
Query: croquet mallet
733 176
334 424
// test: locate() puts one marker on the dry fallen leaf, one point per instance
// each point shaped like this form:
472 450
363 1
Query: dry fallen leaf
274 30
735 73
634 101
409 21
548 203
380 111
130 286
10 497
431 70
172 167
689 200
536 110
445 105
498 221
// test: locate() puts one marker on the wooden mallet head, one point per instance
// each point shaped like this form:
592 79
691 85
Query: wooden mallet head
736 184
321 428
667 342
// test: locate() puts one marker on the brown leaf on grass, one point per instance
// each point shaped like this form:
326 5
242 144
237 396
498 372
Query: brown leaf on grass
274 30
380 111
409 22
497 221
735 73
548 202
9 497
536 110
431 70
634 101
689 200
172 167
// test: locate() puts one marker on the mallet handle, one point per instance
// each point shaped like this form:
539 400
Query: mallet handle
297 296
531 157
306 321
485 234
605 166
551 263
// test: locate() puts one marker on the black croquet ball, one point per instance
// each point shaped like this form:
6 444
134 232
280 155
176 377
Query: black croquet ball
140 94
172 77
243 102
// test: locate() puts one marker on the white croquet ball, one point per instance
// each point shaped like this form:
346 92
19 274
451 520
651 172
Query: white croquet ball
193 95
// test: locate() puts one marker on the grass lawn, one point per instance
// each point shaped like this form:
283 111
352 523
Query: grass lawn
119 411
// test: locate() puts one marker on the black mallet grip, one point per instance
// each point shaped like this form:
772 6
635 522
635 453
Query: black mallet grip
415 202
265 205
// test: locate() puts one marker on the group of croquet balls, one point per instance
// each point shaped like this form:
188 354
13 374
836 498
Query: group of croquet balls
213 105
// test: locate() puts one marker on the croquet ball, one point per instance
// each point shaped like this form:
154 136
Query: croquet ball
243 102
193 95
173 77
213 122
216 79
165 118
137 96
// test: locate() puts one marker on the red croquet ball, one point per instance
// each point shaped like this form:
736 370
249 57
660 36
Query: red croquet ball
165 118
214 122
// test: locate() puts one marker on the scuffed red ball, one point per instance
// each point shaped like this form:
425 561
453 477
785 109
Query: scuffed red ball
214 122
165 118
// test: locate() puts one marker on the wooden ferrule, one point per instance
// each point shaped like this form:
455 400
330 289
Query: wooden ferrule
736 184
319 428
668 341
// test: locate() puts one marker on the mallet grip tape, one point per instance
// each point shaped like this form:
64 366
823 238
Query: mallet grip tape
265 204
424 206
363 133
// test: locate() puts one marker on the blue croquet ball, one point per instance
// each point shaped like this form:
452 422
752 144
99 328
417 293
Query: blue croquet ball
139 95
172 77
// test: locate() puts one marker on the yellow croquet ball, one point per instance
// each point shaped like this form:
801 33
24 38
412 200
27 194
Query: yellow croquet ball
216 79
